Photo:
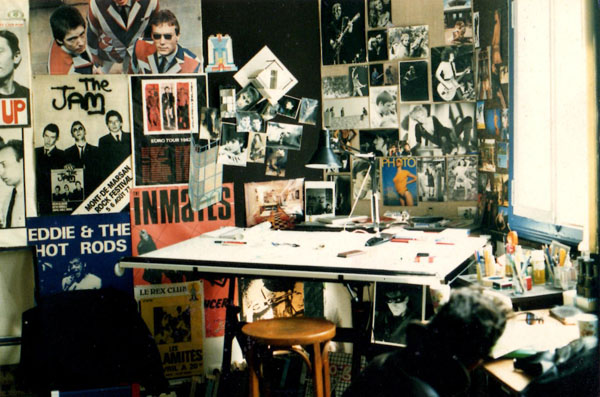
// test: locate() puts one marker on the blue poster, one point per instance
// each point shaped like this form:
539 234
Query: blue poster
80 251
399 181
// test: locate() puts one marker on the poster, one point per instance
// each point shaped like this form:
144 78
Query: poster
80 252
396 305
399 181
174 313
15 107
165 110
80 123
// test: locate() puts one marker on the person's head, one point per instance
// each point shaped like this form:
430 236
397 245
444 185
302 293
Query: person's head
114 121
144 235
418 113
11 162
467 327
50 135
245 121
246 97
405 39
257 124
164 32
77 185
68 29
336 10
385 103
396 302
78 131
120 2
460 26
167 89
448 54
76 267
10 54
57 189
66 188
377 5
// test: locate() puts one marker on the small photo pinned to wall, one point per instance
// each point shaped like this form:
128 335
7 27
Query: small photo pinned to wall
493 123
379 142
284 136
309 110
390 73
232 150
276 161
396 305
288 106
244 121
458 22
361 178
487 155
320 199
501 188
227 102
452 73
247 98
351 113
462 178
408 42
380 14
414 81
431 174
377 48
384 106
480 115
467 213
343 202
257 147
483 74
504 131
336 87
210 124
376 76
476 42
359 80
502 155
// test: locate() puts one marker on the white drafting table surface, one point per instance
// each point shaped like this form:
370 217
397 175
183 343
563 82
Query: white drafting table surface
314 258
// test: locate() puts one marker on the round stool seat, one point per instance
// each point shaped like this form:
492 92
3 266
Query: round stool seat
288 331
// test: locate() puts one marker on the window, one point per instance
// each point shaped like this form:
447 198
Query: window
553 117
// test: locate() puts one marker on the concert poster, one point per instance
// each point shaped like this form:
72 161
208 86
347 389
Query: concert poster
162 125
80 122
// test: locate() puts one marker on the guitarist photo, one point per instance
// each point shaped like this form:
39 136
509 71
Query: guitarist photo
340 43
450 85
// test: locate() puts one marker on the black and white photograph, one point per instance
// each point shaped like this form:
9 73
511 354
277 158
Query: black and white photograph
376 75
209 123
244 121
361 178
452 73
408 42
257 147
458 22
336 87
288 107
283 135
232 150
359 80
396 305
12 188
390 73
462 178
320 199
379 142
380 14
383 103
340 114
476 29
247 97
343 201
431 176
309 111
414 81
439 129
377 47
343 32
275 161
466 213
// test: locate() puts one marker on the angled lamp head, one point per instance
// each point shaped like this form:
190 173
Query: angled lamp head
324 158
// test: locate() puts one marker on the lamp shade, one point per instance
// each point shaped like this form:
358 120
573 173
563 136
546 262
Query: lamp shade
324 157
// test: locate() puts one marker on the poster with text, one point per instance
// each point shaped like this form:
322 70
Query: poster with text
164 113
162 216
82 141
15 81
80 252
174 313
399 181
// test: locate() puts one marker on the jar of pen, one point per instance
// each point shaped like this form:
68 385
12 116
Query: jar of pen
562 273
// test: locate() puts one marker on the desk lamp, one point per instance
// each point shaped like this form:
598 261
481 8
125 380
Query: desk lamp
325 158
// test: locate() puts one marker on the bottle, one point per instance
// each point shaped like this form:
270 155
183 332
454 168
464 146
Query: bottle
539 267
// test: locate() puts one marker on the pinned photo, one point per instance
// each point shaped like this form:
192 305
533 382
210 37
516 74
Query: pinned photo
359 80
320 199
284 136
288 106
462 178
275 161
247 98
408 42
309 109
452 75
383 107
346 113
232 150
257 147
414 81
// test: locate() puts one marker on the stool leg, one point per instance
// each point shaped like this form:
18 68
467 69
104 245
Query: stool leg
253 390
317 370
326 379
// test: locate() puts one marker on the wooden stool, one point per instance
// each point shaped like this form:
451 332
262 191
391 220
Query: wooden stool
290 334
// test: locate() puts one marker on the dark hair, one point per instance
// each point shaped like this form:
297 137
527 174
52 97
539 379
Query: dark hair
445 55
468 326
361 166
52 128
112 113
384 97
13 41
76 122
164 16
63 19
16 146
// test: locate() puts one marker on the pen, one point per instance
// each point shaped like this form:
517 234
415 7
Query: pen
443 243
229 242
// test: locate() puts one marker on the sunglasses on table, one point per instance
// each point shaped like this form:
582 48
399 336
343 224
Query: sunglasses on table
531 318
157 36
